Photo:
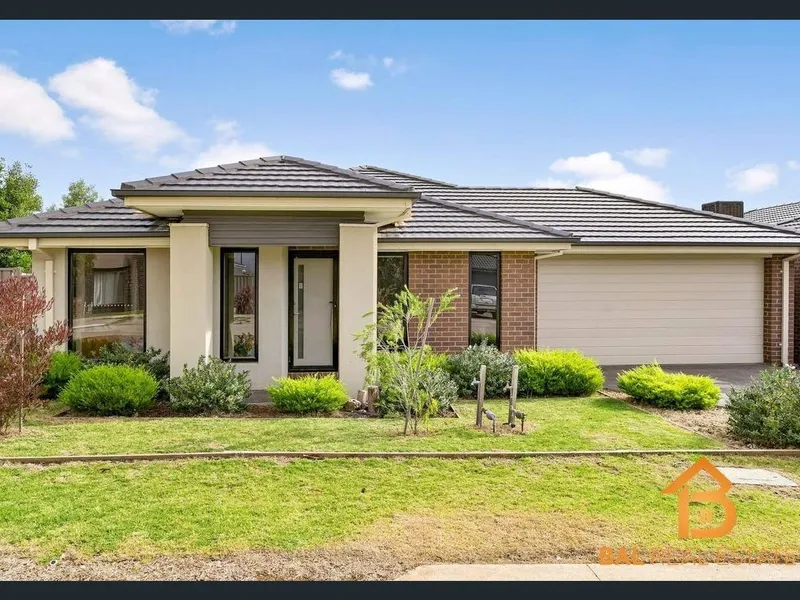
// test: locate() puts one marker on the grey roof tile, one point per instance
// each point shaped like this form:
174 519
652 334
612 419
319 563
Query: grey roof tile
785 215
422 184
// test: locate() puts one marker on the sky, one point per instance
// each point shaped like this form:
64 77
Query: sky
678 112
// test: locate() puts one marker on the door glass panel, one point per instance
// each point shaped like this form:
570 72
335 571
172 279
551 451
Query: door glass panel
484 298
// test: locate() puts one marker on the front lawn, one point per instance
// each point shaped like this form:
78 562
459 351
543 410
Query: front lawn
552 424
394 513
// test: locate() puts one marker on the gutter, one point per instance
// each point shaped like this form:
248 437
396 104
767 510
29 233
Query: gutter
537 257
394 220
785 309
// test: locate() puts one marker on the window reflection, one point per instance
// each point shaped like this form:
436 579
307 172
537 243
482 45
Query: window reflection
239 304
484 298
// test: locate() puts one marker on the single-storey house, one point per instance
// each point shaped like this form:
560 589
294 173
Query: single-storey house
275 263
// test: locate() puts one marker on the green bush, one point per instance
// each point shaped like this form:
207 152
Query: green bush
767 412
308 394
557 373
63 366
465 367
651 384
110 390
435 380
479 338
152 360
211 386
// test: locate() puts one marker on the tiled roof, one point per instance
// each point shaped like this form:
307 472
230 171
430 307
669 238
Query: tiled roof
272 175
785 215
421 184
435 219
108 218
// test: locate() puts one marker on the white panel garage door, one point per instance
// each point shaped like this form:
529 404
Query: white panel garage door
632 309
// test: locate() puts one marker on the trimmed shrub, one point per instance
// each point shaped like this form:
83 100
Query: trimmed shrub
212 386
651 384
308 394
110 390
767 412
63 366
435 380
557 373
465 367
152 360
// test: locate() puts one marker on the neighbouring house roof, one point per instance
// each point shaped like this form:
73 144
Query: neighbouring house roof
267 176
785 215
107 218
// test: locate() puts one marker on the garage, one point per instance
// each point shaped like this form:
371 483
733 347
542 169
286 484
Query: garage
632 309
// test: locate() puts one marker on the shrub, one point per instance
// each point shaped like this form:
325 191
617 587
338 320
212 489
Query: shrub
767 412
557 373
435 380
308 394
651 384
110 390
211 386
152 360
465 367
63 366
479 338
243 344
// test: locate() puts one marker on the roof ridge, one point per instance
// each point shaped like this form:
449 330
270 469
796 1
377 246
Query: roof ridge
409 175
500 217
686 209
348 172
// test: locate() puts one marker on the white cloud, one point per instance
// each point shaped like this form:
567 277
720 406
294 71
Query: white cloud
26 109
394 66
351 80
551 182
602 172
227 148
649 157
755 179
115 106
212 27
793 165
225 128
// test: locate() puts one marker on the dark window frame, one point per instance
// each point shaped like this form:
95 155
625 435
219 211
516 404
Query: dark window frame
499 309
404 256
71 289
222 325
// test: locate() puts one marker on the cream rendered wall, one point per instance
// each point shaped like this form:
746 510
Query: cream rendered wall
50 269
157 286
358 283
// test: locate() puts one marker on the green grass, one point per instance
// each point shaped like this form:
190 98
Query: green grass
215 507
552 424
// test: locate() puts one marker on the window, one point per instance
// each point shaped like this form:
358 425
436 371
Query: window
484 283
107 300
392 276
239 304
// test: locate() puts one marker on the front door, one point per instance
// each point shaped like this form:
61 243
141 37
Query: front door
314 312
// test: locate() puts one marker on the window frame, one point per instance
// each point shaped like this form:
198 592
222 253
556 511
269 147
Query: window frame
404 256
222 325
71 287
499 309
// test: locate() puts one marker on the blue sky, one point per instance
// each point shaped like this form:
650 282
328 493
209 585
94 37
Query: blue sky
683 112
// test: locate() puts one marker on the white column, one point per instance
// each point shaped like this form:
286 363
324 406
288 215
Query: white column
190 295
358 283
273 320
157 293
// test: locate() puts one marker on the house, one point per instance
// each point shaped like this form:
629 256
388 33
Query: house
273 263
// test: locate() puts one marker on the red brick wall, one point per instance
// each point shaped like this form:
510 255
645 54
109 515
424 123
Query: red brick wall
429 275
517 300
773 300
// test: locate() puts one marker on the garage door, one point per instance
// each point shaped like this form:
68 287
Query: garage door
633 309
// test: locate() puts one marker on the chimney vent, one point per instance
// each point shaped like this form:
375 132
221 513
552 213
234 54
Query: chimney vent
733 208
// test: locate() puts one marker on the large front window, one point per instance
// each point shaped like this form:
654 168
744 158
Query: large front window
240 304
484 280
107 295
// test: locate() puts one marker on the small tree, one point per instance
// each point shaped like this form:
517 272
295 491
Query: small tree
25 351
401 334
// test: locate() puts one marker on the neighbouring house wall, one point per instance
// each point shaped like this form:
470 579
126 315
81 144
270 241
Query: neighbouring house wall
431 273
157 308
773 306
517 301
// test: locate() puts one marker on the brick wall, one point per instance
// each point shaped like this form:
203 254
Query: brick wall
773 300
517 300
429 275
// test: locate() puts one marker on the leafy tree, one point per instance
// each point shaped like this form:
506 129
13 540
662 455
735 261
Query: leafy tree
25 350
79 193
19 197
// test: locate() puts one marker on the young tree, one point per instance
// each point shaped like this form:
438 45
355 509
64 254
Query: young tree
25 351
80 193
400 335
19 197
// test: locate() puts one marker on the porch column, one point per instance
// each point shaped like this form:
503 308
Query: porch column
358 283
190 295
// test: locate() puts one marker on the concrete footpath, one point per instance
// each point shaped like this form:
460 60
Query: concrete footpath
596 572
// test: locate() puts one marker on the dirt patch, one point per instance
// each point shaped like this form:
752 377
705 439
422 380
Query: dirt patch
386 551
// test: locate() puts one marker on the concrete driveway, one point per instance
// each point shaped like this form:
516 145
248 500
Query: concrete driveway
725 375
